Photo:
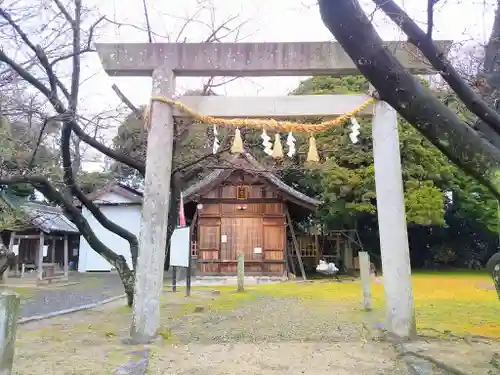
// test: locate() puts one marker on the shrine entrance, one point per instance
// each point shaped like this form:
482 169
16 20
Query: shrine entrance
245 212
165 61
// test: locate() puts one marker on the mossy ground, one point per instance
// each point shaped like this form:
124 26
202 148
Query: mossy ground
24 293
460 302
89 342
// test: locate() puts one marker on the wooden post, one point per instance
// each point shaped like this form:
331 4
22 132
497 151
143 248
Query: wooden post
154 220
12 239
287 262
364 268
174 279
40 255
348 261
400 316
339 252
66 256
241 272
190 264
316 245
188 274
53 252
9 314
295 244
290 259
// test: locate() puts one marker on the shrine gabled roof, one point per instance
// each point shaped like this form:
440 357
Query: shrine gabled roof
47 218
220 174
133 195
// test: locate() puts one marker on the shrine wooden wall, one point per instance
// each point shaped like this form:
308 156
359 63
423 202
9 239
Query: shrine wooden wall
241 217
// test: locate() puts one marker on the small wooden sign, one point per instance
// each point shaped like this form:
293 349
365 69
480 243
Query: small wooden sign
242 193
179 247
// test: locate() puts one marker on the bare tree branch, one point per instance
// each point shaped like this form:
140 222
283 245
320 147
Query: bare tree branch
127 160
438 60
88 47
59 106
24 74
75 76
38 141
347 21
430 17
65 12
138 113
148 25
213 36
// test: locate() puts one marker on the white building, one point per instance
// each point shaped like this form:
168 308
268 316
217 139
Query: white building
121 205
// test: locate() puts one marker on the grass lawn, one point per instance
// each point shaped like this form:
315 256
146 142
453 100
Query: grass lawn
460 302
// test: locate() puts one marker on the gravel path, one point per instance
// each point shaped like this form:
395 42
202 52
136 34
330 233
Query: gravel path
93 288
277 336
270 320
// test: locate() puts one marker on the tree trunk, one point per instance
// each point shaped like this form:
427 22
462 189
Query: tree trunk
489 87
488 82
459 142
4 264
127 277
493 266
5 258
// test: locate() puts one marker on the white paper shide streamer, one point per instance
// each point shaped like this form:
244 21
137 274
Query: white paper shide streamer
290 142
354 130
266 142
216 141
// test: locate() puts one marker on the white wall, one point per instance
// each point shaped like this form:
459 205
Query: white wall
126 216
112 197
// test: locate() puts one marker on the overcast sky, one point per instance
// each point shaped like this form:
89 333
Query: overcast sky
266 21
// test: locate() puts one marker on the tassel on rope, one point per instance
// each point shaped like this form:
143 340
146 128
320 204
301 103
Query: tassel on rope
312 155
290 141
354 130
277 148
237 146
266 142
216 141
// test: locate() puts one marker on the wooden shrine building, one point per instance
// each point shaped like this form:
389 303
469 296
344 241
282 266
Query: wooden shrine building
43 240
242 207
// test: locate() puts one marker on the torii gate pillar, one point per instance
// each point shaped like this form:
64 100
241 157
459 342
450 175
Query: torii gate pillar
155 207
164 60
394 250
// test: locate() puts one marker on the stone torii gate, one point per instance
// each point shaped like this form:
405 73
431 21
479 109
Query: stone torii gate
165 61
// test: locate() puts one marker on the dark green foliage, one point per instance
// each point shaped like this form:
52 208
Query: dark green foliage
17 145
458 232
346 178
92 181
